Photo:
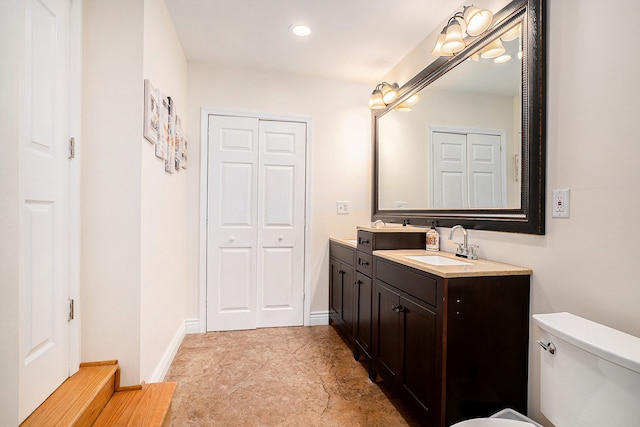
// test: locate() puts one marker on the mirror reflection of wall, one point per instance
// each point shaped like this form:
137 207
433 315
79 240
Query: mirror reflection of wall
481 96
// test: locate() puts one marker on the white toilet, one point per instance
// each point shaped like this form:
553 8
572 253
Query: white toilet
589 376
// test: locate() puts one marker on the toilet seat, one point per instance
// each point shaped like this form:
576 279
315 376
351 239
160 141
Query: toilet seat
492 422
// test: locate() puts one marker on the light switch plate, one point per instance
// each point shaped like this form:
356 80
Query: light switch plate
342 208
560 208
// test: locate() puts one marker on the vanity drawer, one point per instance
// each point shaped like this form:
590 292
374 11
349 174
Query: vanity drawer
365 241
342 253
372 241
364 263
419 285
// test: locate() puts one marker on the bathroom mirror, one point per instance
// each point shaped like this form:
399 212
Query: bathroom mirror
470 151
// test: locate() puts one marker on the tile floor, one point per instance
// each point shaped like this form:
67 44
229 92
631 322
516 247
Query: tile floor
301 376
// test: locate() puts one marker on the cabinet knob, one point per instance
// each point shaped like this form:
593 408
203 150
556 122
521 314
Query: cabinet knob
398 308
232 238
280 237
364 262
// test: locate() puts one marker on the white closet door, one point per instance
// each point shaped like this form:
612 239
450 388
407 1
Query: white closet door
44 186
255 231
485 171
281 204
449 166
232 223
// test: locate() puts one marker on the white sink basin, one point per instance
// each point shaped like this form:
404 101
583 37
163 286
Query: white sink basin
436 260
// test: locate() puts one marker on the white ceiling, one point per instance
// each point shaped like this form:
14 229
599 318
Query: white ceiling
357 40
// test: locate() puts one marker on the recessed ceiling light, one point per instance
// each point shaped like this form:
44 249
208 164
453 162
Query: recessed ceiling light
300 30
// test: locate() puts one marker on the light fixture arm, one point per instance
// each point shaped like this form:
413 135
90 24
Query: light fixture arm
454 17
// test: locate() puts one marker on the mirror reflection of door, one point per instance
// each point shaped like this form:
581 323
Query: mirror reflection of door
467 170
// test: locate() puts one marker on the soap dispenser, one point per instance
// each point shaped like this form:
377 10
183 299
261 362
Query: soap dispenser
433 238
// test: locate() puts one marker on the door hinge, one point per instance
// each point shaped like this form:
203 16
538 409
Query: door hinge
72 148
71 309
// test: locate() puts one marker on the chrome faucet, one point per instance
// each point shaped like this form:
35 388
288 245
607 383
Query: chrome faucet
465 250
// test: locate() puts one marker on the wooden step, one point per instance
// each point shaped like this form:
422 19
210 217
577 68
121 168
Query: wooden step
149 406
80 399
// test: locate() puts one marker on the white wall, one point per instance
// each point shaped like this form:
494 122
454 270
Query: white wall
111 185
164 202
11 50
133 266
340 153
584 264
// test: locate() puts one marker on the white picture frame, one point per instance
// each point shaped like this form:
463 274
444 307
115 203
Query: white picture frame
163 128
151 113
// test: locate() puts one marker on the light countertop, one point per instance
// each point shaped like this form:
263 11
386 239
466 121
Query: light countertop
348 241
476 267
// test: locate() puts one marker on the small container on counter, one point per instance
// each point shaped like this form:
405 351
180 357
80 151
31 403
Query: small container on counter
433 238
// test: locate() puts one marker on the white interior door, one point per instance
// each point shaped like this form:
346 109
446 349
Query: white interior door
467 170
255 228
485 171
449 170
44 186
232 223
281 191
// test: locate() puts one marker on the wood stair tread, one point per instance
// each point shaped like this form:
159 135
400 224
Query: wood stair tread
149 406
79 399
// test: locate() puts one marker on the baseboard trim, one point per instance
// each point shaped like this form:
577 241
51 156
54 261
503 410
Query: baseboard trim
167 358
192 326
319 318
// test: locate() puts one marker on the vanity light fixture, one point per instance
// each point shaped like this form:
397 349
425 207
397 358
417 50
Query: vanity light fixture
493 50
451 40
437 50
408 103
478 20
383 95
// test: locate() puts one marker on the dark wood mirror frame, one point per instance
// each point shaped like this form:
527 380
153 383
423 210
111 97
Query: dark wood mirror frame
530 217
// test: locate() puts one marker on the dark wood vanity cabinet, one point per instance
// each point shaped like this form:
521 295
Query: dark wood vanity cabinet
368 242
452 348
341 286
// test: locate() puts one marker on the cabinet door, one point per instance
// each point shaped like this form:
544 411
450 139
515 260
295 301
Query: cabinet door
362 320
419 356
348 284
387 333
335 290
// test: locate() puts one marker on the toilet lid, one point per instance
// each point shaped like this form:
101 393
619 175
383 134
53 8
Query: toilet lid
492 422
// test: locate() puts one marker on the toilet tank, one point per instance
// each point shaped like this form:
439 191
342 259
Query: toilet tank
589 373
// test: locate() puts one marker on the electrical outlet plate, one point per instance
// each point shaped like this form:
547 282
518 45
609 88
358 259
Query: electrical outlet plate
560 208
342 208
